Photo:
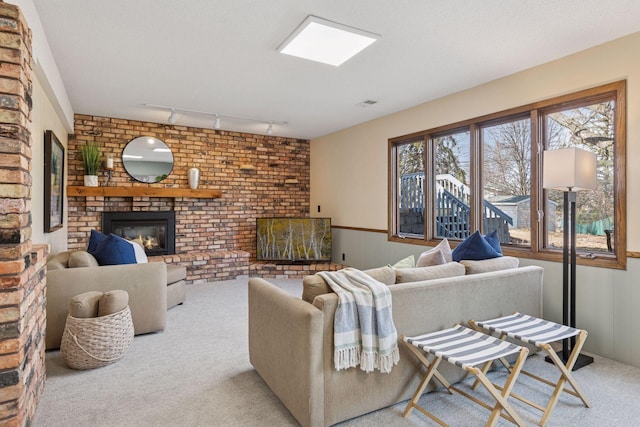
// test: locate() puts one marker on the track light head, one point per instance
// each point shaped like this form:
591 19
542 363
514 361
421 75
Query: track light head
172 117
217 123
270 129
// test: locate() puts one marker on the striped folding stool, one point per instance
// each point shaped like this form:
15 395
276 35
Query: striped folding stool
466 348
541 333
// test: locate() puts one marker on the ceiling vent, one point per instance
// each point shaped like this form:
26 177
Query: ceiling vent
367 103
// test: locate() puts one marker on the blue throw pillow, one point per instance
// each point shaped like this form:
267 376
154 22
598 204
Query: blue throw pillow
474 247
95 239
493 239
114 250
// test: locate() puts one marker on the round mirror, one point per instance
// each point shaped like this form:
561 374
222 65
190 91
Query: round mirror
147 159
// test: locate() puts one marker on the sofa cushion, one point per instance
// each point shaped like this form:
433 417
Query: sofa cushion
314 285
386 274
82 259
112 302
474 247
55 265
176 273
450 269
408 262
114 250
493 264
61 258
85 305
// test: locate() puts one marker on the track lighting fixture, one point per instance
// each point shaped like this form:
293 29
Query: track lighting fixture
172 117
218 116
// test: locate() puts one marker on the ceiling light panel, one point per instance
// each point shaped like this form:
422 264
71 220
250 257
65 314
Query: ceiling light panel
324 41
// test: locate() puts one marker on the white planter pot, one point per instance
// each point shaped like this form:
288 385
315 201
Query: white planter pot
194 178
91 180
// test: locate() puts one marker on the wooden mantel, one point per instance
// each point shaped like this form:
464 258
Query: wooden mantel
81 191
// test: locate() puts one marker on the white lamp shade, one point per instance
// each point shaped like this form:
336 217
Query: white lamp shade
569 169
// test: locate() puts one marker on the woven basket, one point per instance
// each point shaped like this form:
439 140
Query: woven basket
97 341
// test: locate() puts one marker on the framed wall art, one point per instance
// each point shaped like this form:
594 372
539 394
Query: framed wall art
53 182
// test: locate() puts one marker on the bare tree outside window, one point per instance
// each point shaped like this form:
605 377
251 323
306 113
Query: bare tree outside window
506 178
591 128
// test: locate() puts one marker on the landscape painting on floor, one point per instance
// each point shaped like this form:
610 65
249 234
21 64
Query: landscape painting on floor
293 239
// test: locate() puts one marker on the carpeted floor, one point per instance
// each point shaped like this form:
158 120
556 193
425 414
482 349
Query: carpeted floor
197 373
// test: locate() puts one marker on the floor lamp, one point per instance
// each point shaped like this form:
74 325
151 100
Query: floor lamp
569 170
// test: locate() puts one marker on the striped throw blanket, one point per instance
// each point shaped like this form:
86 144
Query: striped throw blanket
364 333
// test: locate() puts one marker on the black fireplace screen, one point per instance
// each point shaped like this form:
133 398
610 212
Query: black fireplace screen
155 231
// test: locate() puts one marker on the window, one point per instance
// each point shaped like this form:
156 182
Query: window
486 173
410 184
451 164
590 126
506 178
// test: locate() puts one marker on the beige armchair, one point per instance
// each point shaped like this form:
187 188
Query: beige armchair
152 287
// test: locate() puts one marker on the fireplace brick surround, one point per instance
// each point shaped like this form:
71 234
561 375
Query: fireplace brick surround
215 238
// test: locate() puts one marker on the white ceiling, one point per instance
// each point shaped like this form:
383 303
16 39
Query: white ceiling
220 56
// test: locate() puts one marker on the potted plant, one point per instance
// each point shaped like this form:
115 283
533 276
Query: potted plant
91 162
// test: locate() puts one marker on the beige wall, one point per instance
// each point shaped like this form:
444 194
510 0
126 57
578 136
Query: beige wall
349 173
349 168
44 117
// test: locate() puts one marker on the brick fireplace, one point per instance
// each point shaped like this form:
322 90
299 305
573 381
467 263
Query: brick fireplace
214 238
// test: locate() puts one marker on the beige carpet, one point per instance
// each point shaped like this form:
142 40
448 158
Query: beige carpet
197 373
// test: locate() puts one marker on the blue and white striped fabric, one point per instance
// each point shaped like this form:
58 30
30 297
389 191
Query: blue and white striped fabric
363 330
529 329
463 346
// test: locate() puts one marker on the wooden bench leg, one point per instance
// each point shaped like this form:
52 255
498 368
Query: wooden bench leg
565 376
432 372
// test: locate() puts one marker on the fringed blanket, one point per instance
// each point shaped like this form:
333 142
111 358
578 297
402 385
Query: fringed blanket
364 333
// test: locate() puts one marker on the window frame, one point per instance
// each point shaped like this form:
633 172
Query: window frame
536 113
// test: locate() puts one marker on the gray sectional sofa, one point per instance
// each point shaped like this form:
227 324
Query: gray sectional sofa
291 340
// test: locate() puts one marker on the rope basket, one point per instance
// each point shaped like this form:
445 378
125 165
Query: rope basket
98 341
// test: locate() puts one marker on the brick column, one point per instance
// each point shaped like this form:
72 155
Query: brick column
22 273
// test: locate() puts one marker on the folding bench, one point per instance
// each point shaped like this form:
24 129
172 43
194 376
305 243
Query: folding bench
540 333
466 348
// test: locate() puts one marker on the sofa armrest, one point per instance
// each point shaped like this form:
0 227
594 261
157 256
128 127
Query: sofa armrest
146 285
285 347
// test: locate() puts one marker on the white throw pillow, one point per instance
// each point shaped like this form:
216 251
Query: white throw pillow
141 256
408 262
431 257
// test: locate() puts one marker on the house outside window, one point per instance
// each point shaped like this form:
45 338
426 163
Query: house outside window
486 173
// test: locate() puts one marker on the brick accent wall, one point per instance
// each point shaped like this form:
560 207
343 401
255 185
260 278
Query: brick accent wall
210 233
290 271
22 271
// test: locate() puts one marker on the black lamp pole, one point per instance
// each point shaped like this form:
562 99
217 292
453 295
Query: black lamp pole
569 279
